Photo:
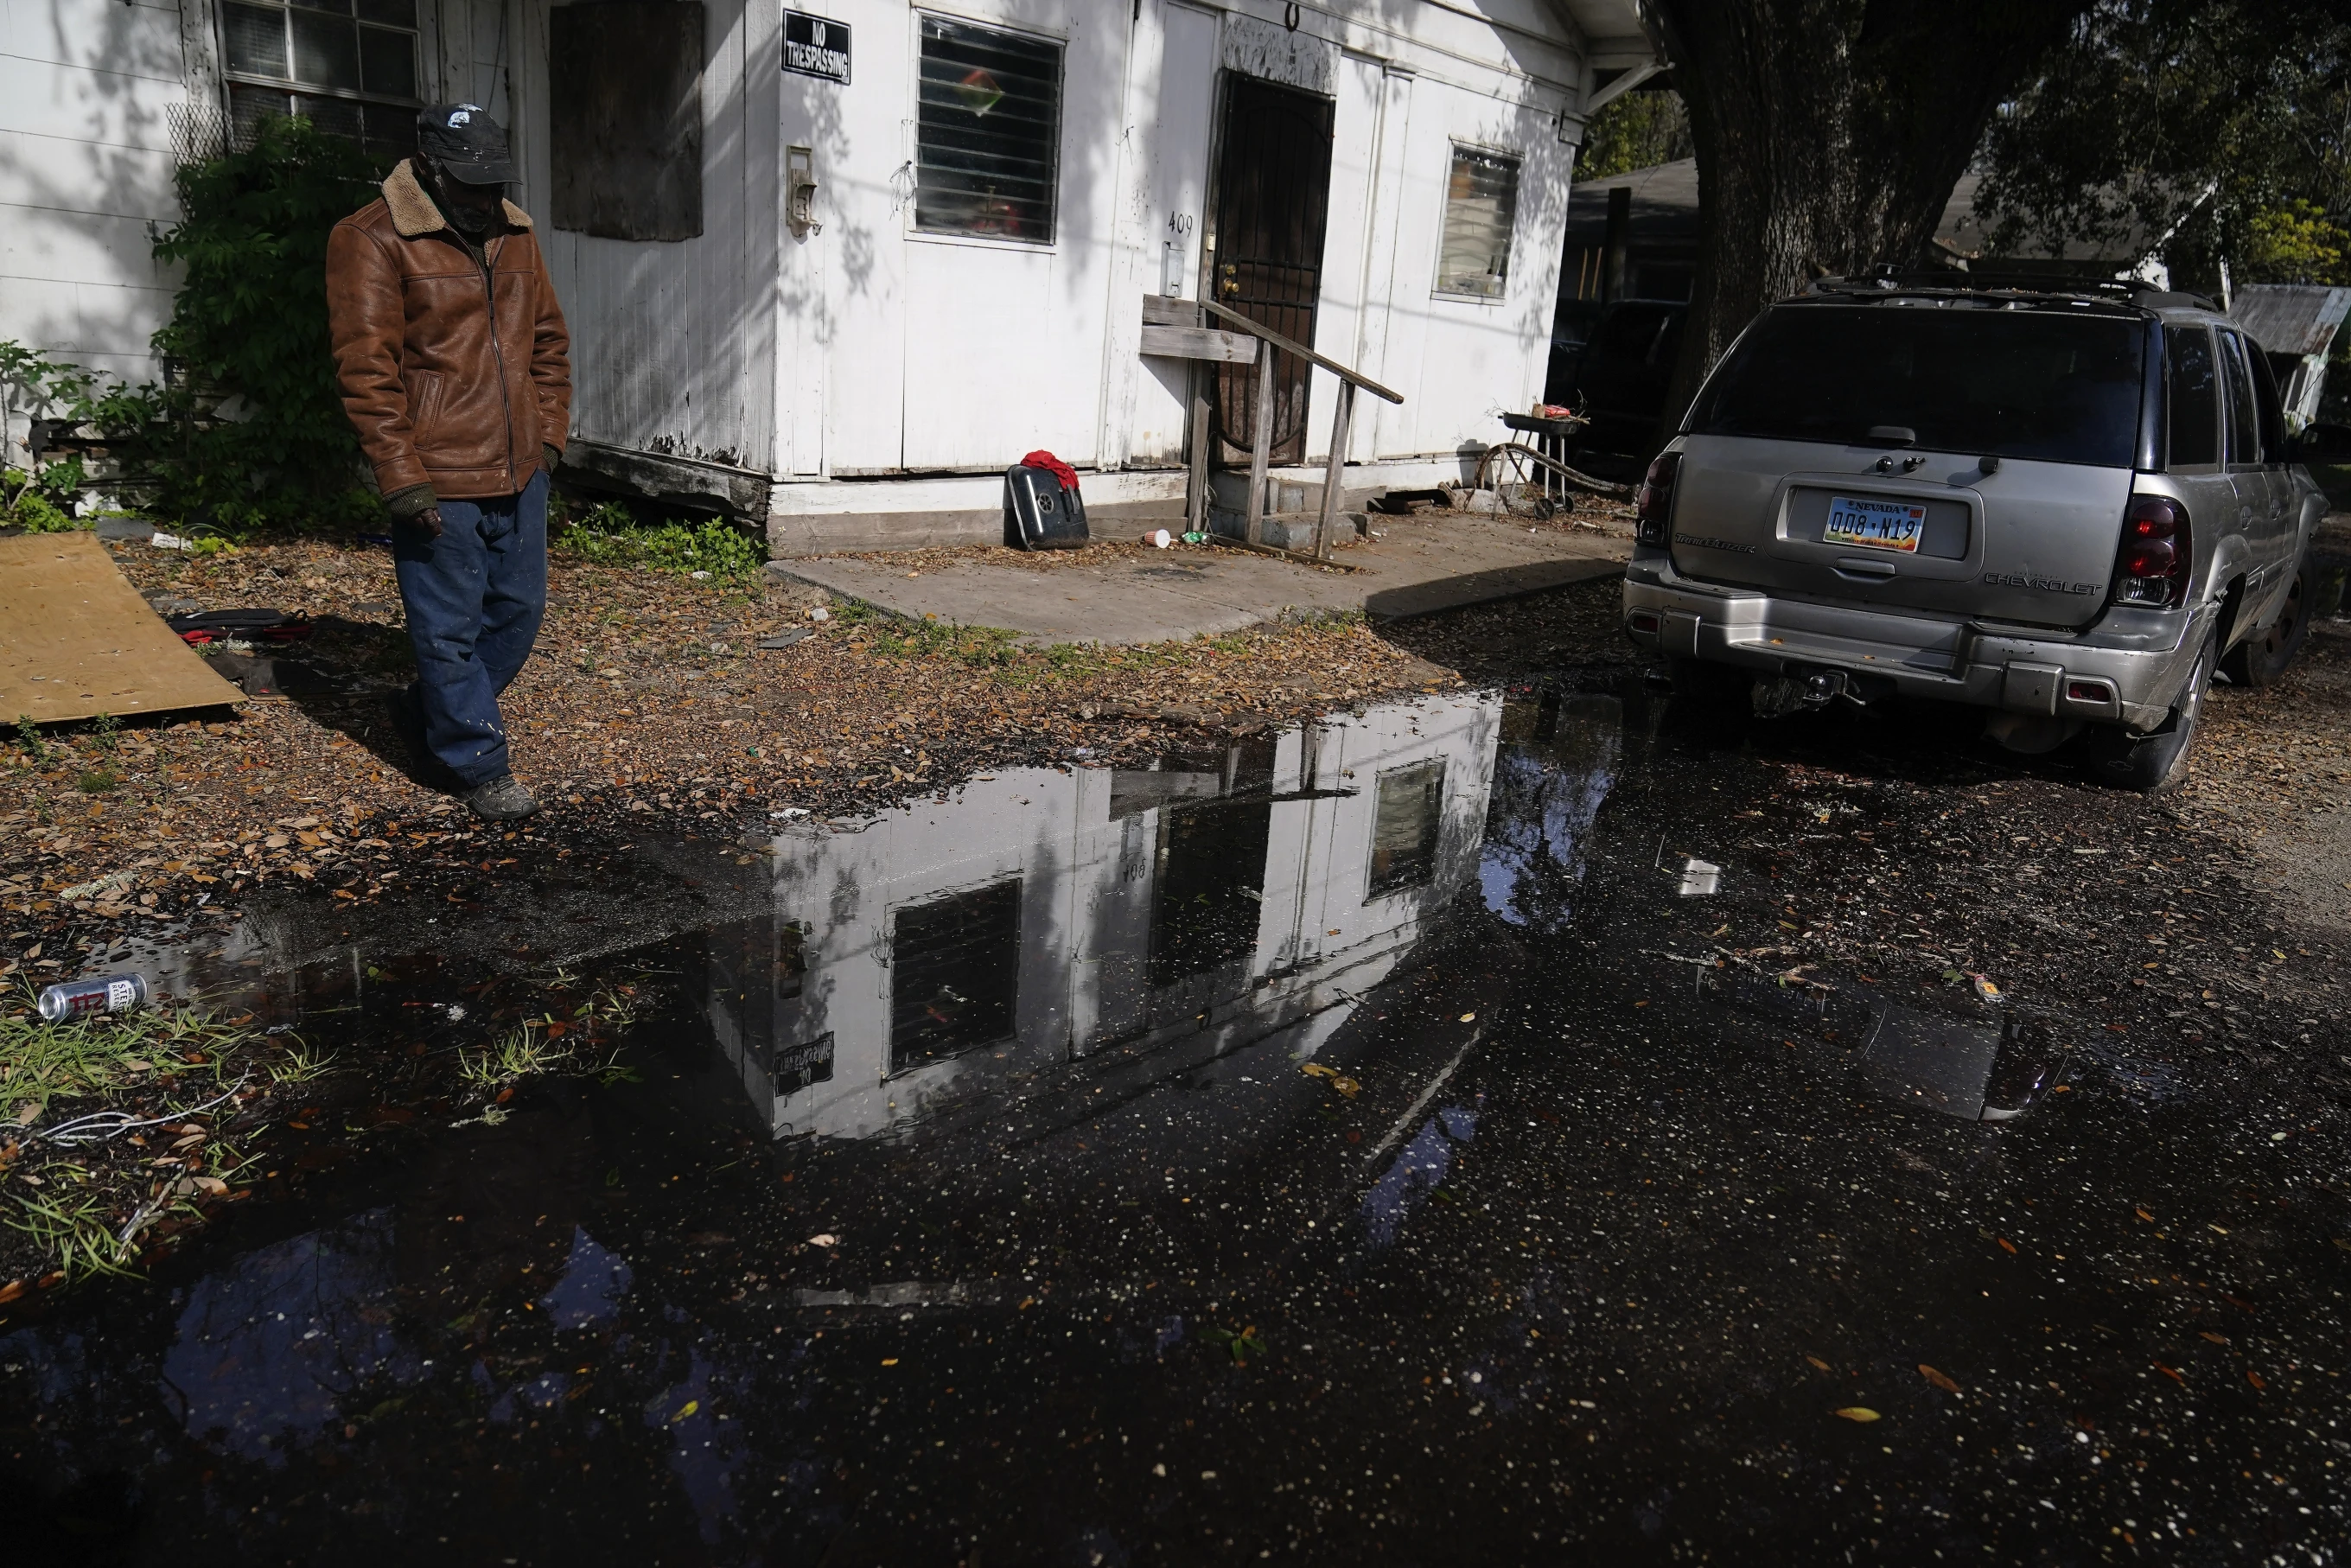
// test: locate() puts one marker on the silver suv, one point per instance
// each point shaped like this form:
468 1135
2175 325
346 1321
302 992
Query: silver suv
2067 506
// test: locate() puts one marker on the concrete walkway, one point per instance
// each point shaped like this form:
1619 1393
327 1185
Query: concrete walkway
1422 565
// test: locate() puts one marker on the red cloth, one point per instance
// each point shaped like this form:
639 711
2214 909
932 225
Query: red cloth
1053 466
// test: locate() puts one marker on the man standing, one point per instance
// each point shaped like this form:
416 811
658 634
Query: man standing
451 351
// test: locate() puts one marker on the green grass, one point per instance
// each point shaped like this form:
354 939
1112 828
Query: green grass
521 1052
41 1062
72 1228
997 650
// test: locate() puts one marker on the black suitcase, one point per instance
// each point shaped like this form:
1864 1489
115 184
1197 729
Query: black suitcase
1039 514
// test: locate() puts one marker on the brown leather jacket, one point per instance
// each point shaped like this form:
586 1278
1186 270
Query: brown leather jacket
440 395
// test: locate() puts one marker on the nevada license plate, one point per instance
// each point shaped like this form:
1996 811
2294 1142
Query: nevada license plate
1875 525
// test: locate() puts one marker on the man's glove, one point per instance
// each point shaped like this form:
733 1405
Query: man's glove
415 504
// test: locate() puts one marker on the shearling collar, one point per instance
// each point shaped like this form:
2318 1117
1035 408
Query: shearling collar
413 214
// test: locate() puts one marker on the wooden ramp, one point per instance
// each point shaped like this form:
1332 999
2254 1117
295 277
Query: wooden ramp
77 641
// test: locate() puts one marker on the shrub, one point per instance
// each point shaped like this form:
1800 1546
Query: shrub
249 326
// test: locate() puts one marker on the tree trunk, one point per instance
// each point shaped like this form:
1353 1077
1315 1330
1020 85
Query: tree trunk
1830 134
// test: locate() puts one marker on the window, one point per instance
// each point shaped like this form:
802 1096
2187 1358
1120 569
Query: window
2265 397
2244 424
1405 822
2195 412
987 133
2060 385
1482 206
954 966
350 71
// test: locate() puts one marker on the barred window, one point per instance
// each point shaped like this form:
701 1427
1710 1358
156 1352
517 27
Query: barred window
1482 206
348 65
988 133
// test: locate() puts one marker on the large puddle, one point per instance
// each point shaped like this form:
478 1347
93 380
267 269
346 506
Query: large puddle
1388 1135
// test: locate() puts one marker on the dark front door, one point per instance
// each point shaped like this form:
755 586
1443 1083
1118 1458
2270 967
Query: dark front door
1265 255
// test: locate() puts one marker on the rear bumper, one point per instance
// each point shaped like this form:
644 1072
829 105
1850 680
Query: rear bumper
1917 655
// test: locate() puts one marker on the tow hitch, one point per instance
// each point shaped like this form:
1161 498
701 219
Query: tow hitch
1803 690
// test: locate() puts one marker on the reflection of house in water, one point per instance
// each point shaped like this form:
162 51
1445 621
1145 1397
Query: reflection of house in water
937 951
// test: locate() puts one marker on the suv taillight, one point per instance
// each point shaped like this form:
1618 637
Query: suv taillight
1655 505
2157 550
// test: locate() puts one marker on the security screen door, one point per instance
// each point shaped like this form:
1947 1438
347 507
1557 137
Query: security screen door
1265 251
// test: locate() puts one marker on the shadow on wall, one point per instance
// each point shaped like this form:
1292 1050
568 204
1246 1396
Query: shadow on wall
83 283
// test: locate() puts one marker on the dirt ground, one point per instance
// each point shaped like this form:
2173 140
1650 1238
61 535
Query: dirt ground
650 705
648 693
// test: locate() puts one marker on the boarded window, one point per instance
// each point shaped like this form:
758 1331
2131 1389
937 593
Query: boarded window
624 119
1410 809
347 67
1482 206
954 965
988 132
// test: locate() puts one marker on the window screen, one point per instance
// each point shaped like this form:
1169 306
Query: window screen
348 69
954 964
1481 206
988 133
2244 424
1404 825
2195 397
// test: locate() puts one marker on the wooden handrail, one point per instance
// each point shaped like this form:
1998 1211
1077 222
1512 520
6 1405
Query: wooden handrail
1258 330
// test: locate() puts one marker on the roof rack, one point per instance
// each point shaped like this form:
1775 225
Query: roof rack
1950 280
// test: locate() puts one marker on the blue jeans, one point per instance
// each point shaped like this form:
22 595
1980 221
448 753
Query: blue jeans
475 597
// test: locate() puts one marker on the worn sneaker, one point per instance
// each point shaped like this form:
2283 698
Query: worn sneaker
501 800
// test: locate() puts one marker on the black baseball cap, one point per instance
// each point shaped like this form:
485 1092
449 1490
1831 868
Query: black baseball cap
465 142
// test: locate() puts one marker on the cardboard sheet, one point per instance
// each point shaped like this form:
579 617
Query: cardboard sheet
76 641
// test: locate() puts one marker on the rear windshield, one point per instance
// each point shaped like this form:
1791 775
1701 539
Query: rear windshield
2004 383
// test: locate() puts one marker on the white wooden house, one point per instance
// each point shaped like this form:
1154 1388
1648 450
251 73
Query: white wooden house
930 956
840 269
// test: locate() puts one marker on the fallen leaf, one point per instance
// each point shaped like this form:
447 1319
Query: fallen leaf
1937 1379
2216 1339
1816 1360
2169 1372
889 1361
2216 1228
2144 1215
11 1290
2255 1379
1316 1069
1347 1086
2004 1241
689 1408
1861 1413
1468 1017
28 1113
827 1240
